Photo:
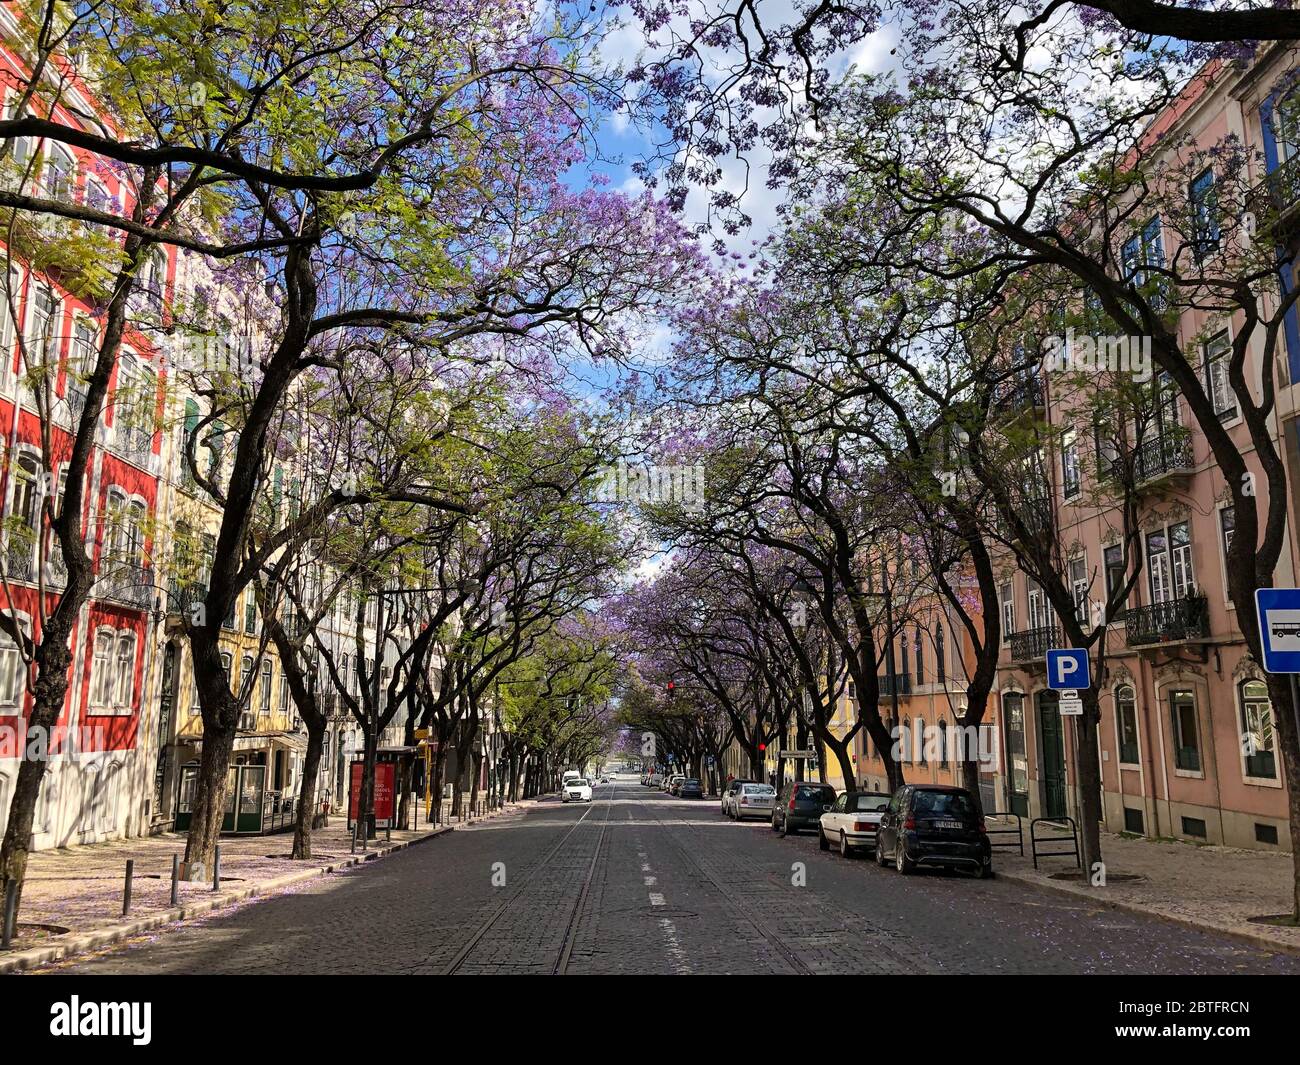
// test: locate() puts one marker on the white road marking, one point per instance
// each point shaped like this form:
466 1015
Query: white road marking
651 881
656 899
675 952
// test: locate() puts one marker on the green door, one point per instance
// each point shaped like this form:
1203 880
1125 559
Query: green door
1053 748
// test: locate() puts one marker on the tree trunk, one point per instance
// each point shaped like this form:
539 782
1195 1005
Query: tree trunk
302 825
52 659
1089 782
209 800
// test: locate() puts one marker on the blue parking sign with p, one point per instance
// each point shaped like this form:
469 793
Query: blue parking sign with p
1067 668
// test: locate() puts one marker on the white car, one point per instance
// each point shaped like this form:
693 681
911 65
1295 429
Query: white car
852 822
751 799
576 790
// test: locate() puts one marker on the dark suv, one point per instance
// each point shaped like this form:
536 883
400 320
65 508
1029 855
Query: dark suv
801 805
930 824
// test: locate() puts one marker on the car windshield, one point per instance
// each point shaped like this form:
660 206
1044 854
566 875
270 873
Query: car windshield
578 783
868 804
692 782
759 789
951 803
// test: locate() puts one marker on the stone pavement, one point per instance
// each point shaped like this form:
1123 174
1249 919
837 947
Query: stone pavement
80 889
1204 886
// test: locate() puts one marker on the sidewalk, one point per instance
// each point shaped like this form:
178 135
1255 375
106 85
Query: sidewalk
79 889
1212 888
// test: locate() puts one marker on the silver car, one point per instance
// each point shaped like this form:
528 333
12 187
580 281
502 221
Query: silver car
752 800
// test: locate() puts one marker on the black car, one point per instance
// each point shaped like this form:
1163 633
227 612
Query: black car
801 805
934 825
690 789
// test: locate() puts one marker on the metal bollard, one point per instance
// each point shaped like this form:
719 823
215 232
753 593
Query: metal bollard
216 868
176 878
126 889
9 923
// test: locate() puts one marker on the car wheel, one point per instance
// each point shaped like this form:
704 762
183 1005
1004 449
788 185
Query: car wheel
880 855
774 827
902 862
845 850
822 842
986 872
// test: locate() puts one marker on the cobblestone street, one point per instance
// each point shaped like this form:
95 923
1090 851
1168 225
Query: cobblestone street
639 882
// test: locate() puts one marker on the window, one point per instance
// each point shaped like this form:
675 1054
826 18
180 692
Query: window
226 663
60 172
1286 128
13 672
1218 352
21 153
124 673
250 614
1106 436
101 671
265 702
1187 745
920 656
1126 724
245 672
1169 563
1038 611
1079 587
1257 730
284 692
1227 521
943 743
1204 199
940 658
1116 570
1008 612
1070 480
42 347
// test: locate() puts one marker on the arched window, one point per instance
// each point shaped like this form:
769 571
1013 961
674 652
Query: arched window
1126 726
101 671
1286 124
124 673
245 671
226 663
920 656
265 702
1257 741
940 658
13 672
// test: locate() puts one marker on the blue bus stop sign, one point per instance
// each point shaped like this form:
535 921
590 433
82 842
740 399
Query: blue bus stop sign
1067 668
1279 628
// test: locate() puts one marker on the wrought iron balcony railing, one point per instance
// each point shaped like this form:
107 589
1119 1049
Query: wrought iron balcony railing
185 595
1161 456
895 682
1033 643
20 563
1272 200
130 583
1167 622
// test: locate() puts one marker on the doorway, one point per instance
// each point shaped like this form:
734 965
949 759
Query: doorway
1052 766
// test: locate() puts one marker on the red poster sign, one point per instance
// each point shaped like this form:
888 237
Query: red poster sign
385 778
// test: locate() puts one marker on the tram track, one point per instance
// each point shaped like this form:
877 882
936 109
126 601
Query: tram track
561 963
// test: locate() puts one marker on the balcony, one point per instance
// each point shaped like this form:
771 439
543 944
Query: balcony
135 444
1273 202
1162 459
129 583
184 596
1033 644
895 683
1018 395
19 562
1173 621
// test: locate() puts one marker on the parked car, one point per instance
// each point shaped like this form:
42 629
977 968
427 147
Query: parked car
933 824
654 780
689 789
753 800
577 790
730 793
673 783
801 805
852 821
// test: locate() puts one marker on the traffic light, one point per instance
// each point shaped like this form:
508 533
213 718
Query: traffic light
671 687
762 747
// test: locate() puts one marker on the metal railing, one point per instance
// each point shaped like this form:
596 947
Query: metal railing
995 834
130 583
1033 643
1161 455
1276 195
1167 622
895 683
1061 823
